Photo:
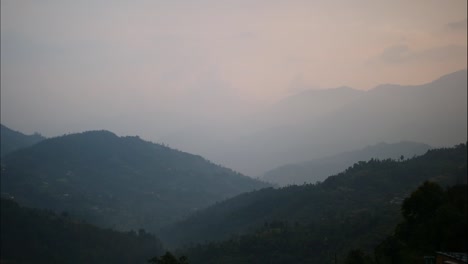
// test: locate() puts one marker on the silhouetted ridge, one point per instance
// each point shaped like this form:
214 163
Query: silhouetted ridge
120 182
318 169
11 140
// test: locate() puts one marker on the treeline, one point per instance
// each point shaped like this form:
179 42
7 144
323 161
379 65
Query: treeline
434 220
368 191
122 183
323 223
40 236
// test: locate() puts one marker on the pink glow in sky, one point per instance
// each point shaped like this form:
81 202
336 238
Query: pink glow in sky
69 66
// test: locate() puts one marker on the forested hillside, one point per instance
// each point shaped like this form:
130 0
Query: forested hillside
39 236
11 140
356 208
119 182
434 220
319 169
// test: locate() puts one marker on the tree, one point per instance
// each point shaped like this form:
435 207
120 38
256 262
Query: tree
358 257
168 258
423 202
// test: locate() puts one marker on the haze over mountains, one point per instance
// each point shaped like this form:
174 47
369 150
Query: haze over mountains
319 123
232 132
319 169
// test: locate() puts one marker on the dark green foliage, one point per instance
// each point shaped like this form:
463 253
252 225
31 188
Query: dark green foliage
38 236
318 223
422 203
357 256
365 200
168 258
11 140
434 220
119 182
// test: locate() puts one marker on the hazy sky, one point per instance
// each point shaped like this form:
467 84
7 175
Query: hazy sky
151 67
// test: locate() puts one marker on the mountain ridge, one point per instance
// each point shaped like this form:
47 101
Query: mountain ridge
378 184
318 169
11 140
433 113
105 179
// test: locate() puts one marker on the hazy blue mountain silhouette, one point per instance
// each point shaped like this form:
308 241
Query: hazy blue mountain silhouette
433 113
11 140
318 169
120 182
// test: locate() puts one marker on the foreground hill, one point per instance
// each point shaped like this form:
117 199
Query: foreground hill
11 140
38 236
358 207
319 169
434 220
119 182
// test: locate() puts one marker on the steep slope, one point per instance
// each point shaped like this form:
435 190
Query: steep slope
11 140
36 236
318 169
120 182
366 191
437 222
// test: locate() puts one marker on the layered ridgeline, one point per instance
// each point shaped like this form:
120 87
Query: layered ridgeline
119 182
356 208
319 123
319 169
11 140
39 236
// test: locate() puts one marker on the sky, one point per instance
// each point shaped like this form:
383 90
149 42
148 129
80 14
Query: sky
150 68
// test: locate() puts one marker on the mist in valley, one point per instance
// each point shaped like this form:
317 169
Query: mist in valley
254 125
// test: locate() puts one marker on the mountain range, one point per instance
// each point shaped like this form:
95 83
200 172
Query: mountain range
126 183
363 200
319 123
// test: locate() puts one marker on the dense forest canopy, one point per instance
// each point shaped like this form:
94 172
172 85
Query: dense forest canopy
357 208
42 236
126 183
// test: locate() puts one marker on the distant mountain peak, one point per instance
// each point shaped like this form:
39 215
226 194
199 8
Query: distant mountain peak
453 76
12 140
95 133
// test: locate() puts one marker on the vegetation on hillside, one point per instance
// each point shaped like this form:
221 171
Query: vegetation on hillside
119 182
319 169
434 220
40 236
315 223
11 140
